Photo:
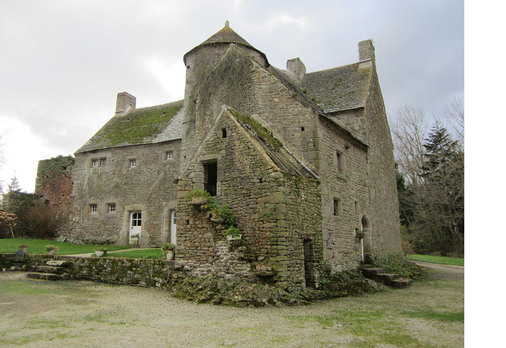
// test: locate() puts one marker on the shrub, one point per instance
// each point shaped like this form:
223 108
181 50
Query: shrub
397 263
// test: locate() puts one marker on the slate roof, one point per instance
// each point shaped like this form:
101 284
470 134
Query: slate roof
225 36
139 126
339 89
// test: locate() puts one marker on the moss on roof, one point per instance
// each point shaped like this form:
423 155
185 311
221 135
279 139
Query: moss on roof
338 89
136 127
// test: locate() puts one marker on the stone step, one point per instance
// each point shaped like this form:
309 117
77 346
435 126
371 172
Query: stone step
56 263
372 272
45 276
380 275
400 283
50 269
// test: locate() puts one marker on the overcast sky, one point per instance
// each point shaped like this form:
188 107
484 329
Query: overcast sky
62 62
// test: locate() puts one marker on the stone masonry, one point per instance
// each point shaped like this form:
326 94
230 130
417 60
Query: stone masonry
304 162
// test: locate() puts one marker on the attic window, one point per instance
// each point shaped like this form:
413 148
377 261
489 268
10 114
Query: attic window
133 163
223 132
94 163
169 155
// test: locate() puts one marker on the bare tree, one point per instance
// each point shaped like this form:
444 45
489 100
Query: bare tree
455 114
409 130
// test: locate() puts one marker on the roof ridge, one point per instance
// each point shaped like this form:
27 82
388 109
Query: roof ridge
338 67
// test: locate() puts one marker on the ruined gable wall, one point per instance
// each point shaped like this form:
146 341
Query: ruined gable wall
54 182
149 188
263 200
347 182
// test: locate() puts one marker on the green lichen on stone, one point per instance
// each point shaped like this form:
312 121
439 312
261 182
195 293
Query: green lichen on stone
261 131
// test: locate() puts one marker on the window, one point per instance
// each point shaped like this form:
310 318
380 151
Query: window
111 207
223 132
337 207
93 208
169 155
211 177
103 162
339 161
94 163
133 163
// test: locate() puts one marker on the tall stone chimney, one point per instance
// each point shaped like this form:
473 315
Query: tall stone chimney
296 67
366 50
124 102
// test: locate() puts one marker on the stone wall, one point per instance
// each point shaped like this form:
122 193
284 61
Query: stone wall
141 272
384 224
54 187
343 164
276 212
108 180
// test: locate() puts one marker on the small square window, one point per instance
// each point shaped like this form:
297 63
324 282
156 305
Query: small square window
133 163
170 155
111 207
103 162
93 208
94 163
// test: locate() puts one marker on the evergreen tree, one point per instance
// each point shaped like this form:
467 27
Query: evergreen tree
439 213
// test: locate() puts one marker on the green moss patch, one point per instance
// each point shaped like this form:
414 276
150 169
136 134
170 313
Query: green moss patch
136 127
256 127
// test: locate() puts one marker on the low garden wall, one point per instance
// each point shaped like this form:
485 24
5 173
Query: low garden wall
164 274
141 272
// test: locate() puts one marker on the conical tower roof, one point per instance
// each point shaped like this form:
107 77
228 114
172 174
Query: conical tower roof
225 36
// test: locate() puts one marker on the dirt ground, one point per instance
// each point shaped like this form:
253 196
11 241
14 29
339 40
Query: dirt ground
87 314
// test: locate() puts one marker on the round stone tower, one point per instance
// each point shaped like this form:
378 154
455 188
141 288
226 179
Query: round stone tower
200 62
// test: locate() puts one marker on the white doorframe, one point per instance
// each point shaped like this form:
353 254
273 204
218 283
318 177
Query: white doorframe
135 227
173 226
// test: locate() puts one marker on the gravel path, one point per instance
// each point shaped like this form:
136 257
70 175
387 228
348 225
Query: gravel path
88 314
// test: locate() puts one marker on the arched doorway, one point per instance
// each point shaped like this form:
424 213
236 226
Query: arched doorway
366 241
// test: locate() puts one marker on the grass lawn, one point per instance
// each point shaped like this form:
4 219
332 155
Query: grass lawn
139 254
38 246
445 260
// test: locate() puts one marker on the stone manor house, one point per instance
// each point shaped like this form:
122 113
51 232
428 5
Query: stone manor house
303 160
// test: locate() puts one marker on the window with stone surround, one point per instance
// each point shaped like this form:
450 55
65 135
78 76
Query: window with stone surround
93 208
337 207
94 163
111 207
103 162
133 163
340 163
169 155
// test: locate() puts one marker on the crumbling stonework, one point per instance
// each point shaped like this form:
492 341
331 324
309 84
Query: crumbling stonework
304 161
